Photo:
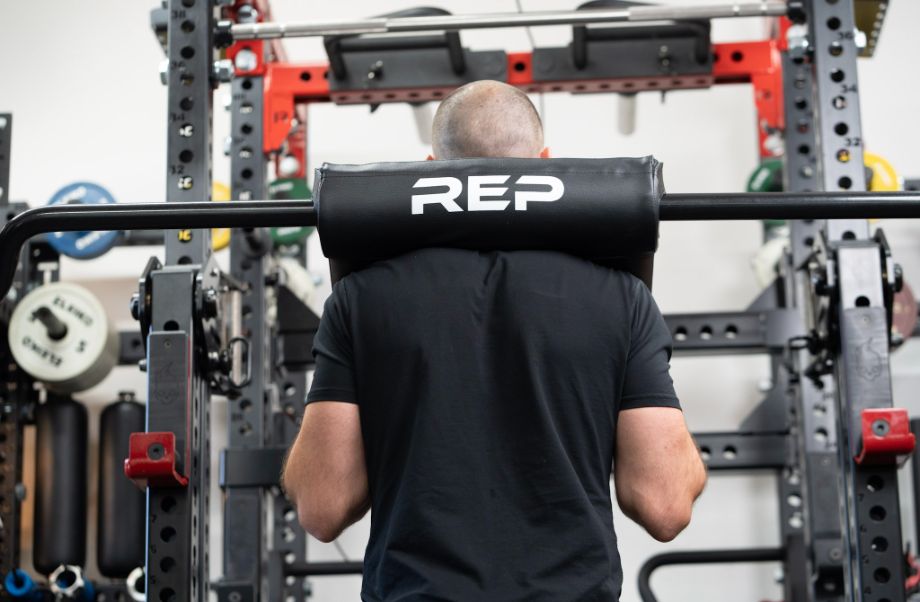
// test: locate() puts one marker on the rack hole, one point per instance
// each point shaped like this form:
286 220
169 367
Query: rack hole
187 52
845 183
185 260
188 26
839 103
171 325
821 435
801 103
186 156
804 149
167 595
833 23
188 3
849 235
306 76
519 66
875 483
737 56
247 84
862 301
168 503
680 334
882 575
837 75
705 453
246 174
836 49
167 534
246 129
187 79
729 452
877 513
245 404
841 129
879 544
731 331
706 332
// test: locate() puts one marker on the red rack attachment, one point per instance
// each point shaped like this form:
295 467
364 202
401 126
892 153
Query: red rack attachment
886 436
151 461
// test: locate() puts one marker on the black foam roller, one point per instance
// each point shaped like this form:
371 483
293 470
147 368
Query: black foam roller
121 505
60 485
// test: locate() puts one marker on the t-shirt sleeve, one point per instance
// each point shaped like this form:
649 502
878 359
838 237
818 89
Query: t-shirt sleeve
334 375
647 381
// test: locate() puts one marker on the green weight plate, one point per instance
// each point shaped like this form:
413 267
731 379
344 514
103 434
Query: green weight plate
289 189
768 177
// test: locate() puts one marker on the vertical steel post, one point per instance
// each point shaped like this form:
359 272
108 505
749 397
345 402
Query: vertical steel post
873 566
178 388
244 507
6 139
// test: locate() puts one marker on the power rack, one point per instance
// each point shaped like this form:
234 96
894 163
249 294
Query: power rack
827 427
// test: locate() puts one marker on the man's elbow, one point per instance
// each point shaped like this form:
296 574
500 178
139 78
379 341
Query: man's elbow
667 523
663 513
321 521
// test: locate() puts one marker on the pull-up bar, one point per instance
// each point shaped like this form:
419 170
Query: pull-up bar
378 25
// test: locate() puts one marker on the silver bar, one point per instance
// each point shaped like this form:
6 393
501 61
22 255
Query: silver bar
263 31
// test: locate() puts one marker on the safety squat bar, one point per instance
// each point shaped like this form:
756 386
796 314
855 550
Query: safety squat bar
271 213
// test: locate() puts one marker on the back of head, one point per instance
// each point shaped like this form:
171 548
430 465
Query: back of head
487 119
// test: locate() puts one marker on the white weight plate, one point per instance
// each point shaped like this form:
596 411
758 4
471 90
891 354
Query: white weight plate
79 360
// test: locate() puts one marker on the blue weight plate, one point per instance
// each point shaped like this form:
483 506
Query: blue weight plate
86 244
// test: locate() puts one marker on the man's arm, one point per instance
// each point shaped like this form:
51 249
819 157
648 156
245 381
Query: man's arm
658 471
325 473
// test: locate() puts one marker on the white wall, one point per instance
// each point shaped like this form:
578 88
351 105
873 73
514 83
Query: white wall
81 80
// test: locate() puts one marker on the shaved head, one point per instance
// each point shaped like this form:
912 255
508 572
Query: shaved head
487 119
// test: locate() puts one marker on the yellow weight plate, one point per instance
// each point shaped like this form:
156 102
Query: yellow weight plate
884 176
220 237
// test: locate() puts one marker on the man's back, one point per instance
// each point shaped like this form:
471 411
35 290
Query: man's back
488 387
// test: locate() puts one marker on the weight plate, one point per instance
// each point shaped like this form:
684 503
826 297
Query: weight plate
884 176
83 244
290 189
768 177
60 335
220 237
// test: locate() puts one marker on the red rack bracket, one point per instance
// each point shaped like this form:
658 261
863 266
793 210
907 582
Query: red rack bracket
151 461
886 436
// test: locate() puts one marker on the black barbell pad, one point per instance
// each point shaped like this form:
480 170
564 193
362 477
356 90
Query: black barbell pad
607 210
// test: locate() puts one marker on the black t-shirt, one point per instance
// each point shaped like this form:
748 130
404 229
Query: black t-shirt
489 386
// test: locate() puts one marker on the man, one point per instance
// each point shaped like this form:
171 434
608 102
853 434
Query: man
476 401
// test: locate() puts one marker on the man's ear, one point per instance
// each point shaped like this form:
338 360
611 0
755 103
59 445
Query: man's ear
429 158
544 154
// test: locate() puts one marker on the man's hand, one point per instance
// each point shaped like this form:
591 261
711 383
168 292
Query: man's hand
325 473
658 471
